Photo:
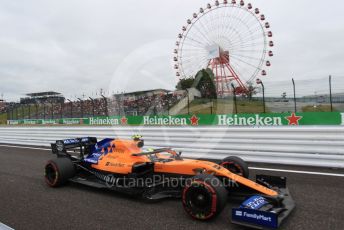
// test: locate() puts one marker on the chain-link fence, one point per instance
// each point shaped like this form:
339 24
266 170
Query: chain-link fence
314 95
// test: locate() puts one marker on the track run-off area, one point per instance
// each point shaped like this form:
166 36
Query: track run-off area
26 202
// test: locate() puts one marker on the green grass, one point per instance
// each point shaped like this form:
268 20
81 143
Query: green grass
21 113
223 106
24 112
3 119
318 108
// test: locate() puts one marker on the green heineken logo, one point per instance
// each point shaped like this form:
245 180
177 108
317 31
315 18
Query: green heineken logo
272 119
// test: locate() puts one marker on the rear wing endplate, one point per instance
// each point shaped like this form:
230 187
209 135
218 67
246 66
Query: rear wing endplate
61 146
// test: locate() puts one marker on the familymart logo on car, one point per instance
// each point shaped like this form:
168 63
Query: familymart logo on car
253 216
256 119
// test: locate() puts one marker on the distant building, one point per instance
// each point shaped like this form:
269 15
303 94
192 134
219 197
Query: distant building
43 97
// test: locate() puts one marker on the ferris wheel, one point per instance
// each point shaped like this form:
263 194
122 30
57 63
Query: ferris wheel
231 38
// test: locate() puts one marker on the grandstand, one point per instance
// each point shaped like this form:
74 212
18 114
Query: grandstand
139 94
52 105
157 101
2 106
42 97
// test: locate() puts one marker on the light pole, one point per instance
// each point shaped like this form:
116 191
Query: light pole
17 113
81 108
168 96
92 101
106 105
36 106
330 82
22 111
260 82
29 111
61 109
52 110
294 95
71 108
187 90
235 99
44 110
8 113
315 100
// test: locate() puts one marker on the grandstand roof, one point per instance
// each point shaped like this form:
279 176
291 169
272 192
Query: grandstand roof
144 91
43 94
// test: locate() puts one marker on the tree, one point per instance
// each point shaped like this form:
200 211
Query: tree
251 90
185 83
204 82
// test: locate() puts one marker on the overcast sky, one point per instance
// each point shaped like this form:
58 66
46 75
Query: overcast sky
77 46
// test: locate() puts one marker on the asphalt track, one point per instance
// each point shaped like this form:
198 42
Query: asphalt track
27 203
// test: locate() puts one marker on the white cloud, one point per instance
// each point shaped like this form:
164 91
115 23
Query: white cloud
79 46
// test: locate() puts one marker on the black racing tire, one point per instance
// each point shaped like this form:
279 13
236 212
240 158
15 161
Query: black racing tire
236 165
59 171
204 197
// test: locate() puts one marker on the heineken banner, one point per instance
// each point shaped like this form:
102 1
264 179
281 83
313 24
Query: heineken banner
274 119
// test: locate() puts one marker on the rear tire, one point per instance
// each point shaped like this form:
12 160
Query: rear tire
59 171
236 165
204 197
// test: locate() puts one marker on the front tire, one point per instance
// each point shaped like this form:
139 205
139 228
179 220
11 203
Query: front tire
204 197
59 171
236 165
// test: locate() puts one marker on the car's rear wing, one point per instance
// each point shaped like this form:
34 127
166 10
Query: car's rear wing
60 147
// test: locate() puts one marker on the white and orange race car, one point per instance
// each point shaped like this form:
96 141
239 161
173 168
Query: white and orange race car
124 165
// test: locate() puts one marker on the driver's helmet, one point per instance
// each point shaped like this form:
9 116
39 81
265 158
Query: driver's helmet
136 137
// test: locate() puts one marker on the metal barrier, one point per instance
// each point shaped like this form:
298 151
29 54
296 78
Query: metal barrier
309 146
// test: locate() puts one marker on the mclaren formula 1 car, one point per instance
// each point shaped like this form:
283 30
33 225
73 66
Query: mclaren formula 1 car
124 165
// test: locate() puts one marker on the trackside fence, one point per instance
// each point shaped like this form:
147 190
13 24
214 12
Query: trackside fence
307 146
